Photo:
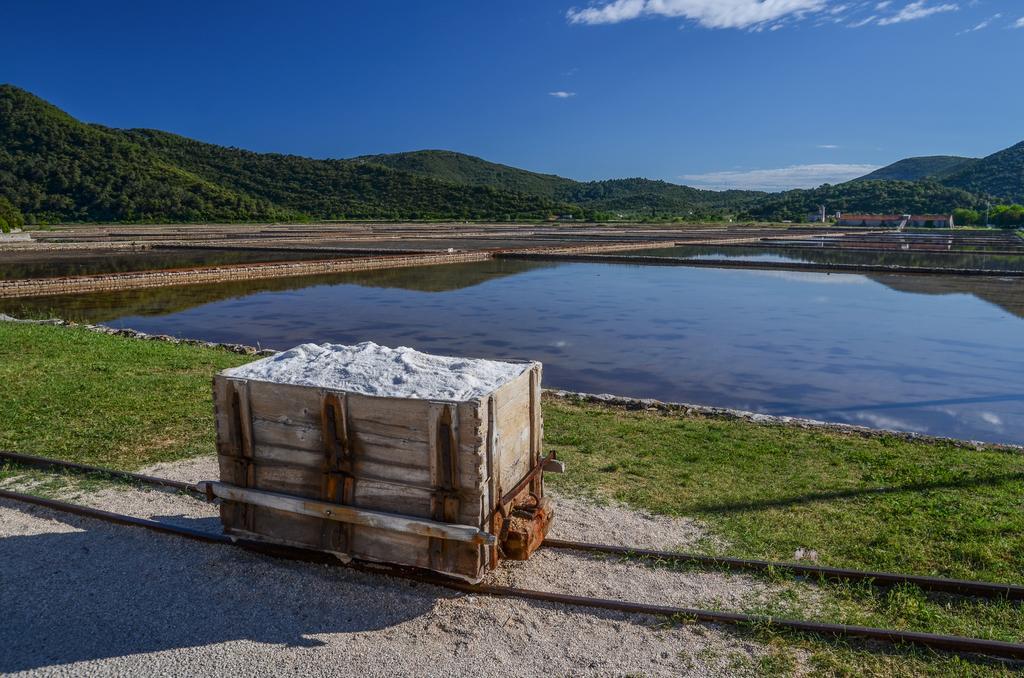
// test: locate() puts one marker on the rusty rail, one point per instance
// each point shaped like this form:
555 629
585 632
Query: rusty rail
965 587
85 469
979 589
992 648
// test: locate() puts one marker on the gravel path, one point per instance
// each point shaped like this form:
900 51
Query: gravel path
84 597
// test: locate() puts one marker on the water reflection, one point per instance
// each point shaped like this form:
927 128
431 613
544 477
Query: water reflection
998 262
922 353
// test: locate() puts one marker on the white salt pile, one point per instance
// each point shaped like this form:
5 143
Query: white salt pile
370 369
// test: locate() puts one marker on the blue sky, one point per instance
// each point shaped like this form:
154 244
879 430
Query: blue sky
713 93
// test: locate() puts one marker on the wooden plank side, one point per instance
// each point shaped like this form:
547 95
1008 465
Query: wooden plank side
287 526
392 465
371 493
366 445
406 549
285 403
368 543
472 451
536 428
514 444
352 515
294 480
290 404
230 457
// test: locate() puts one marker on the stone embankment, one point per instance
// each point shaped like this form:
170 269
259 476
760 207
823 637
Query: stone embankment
38 287
105 282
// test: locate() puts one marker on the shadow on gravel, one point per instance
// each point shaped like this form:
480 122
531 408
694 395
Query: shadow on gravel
108 591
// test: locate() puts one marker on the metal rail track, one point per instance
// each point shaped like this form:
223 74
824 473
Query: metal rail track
959 644
85 469
980 589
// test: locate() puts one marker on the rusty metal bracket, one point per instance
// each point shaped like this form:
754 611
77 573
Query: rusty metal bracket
511 495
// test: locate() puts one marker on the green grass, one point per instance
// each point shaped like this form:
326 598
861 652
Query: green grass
93 398
867 502
876 502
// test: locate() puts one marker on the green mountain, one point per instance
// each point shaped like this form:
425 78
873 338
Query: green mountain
630 197
458 168
917 169
890 197
1000 175
55 168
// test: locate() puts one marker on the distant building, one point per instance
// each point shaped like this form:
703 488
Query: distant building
873 220
931 221
896 220
819 216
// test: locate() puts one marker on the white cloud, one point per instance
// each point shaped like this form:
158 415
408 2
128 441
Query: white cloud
991 418
828 147
561 94
984 24
707 13
863 22
882 5
1020 23
780 179
919 9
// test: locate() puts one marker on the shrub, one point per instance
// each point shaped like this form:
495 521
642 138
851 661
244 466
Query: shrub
10 216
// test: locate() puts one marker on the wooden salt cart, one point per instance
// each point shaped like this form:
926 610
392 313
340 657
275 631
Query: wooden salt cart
448 486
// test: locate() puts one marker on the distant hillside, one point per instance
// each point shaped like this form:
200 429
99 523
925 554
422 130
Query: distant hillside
916 169
459 168
55 168
340 188
626 196
890 197
1000 175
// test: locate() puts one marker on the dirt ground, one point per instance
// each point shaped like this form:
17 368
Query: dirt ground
85 597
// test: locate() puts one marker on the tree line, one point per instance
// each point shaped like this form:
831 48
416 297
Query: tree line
1004 216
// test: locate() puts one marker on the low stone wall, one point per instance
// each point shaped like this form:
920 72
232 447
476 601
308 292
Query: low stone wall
37 287
49 246
587 249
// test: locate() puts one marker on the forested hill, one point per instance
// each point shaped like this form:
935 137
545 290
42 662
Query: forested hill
634 196
917 169
1000 175
889 197
935 184
55 168
459 168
